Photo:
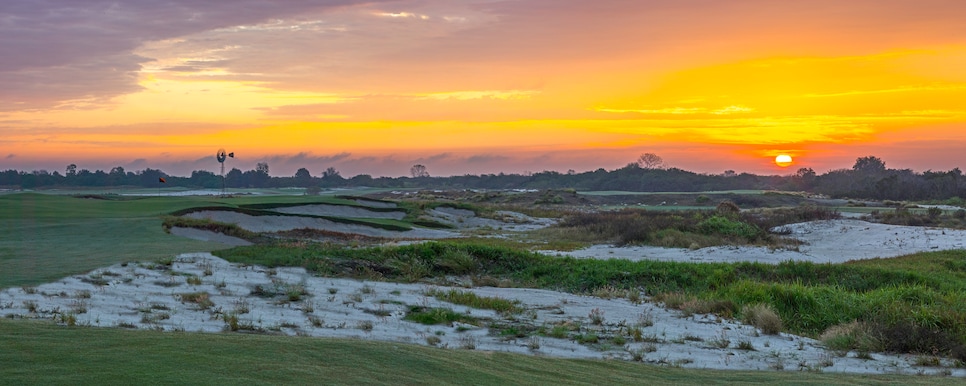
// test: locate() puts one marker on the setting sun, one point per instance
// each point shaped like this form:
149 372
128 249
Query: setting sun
783 160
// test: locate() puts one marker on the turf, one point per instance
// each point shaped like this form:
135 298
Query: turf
44 237
39 352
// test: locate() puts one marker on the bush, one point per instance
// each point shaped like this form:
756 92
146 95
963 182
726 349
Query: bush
762 316
727 208
848 336
727 227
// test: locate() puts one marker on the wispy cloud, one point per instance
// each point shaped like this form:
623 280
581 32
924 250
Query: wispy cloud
728 110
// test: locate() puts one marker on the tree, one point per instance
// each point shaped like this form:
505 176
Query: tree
303 178
262 168
303 173
650 161
260 177
418 171
234 178
330 172
117 176
71 170
869 164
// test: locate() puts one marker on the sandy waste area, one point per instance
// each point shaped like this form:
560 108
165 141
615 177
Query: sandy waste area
203 293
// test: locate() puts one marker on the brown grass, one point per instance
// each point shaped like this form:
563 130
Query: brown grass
764 317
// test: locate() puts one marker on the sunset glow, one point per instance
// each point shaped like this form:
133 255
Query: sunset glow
783 160
482 86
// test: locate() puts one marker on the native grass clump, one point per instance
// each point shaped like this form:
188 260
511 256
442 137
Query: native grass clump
912 215
913 304
726 225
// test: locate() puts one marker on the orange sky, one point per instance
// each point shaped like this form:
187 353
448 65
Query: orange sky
482 86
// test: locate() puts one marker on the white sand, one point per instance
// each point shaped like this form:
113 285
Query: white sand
834 241
508 221
148 297
203 235
285 223
340 211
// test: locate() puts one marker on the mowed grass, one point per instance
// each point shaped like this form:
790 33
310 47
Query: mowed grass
39 352
44 237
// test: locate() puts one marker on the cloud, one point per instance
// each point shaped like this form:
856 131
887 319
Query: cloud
10 156
68 50
486 158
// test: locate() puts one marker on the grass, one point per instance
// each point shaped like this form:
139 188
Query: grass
473 300
911 302
41 352
686 228
44 237
432 316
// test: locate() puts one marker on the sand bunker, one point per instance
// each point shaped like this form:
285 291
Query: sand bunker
204 235
340 211
834 241
263 224
200 292
506 220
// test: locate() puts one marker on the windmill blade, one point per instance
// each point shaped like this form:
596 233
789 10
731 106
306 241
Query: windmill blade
232 154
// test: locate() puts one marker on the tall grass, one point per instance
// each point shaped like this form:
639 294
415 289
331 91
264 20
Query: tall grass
689 228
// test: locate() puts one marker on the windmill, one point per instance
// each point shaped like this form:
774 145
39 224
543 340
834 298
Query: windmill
222 156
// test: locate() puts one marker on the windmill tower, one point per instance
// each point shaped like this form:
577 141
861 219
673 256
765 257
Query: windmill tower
221 156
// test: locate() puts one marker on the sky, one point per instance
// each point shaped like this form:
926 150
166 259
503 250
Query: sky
481 86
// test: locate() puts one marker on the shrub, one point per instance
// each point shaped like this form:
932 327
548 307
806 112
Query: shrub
762 316
727 208
852 335
596 316
199 298
727 227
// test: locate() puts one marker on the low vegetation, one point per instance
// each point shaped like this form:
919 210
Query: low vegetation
931 217
906 303
470 299
688 228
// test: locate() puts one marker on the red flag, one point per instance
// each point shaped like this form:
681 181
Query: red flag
161 180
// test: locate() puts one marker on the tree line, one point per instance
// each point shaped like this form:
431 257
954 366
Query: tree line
869 178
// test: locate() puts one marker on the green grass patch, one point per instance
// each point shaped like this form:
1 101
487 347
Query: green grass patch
38 352
44 237
432 316
470 299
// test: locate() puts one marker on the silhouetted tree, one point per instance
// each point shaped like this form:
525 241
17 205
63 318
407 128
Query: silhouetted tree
303 178
418 171
235 178
869 165
650 161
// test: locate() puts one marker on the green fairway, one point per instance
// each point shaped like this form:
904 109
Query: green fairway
44 237
38 352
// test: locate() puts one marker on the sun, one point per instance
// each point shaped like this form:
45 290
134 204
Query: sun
783 160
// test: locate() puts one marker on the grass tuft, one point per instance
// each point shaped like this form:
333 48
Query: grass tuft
762 316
